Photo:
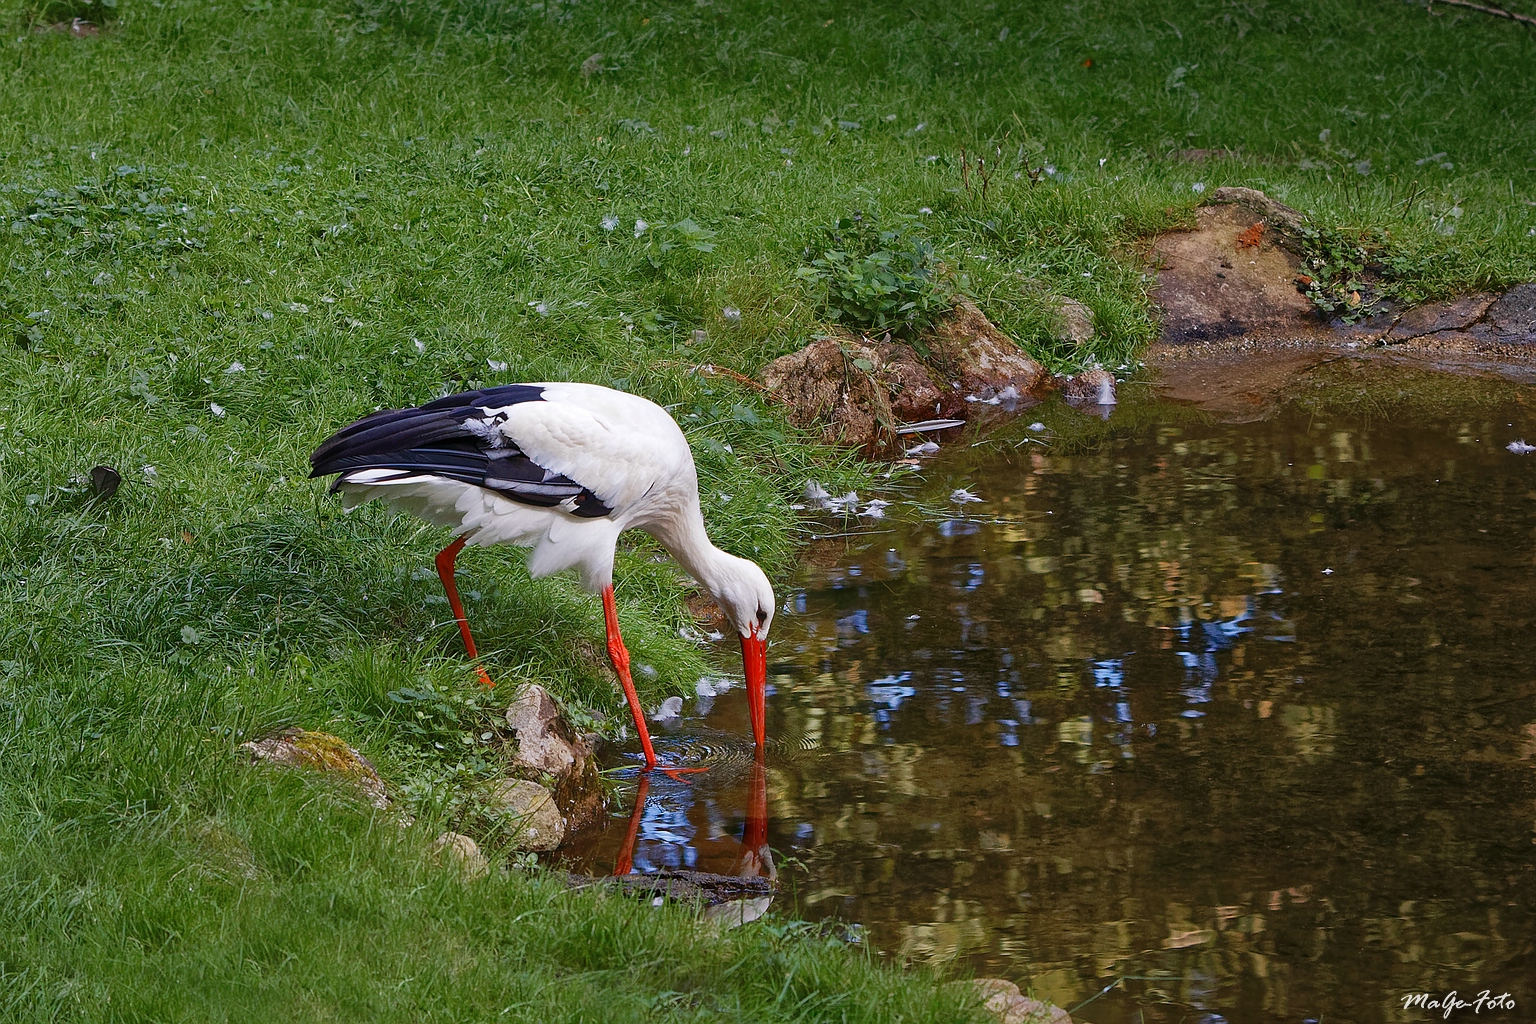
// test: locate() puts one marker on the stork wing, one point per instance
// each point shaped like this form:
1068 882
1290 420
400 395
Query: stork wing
455 438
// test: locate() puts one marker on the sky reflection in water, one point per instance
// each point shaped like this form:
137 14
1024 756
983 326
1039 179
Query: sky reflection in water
1244 714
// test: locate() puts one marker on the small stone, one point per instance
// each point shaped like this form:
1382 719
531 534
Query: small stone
457 850
529 812
1004 1001
547 745
1094 386
1075 322
297 748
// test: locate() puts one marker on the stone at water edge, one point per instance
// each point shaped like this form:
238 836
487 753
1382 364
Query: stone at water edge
1513 315
1003 1000
298 748
534 719
529 812
970 350
856 389
1094 386
1433 317
846 385
459 851
547 745
1210 285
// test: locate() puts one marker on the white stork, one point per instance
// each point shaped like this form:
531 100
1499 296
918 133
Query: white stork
563 469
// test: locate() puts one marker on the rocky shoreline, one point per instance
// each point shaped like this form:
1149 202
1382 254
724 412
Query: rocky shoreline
1238 324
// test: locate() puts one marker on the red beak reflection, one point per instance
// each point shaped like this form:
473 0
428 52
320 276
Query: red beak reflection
754 662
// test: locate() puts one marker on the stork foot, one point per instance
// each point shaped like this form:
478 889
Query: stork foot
485 679
674 772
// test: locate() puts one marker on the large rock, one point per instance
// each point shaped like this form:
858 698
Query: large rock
1439 316
1513 316
298 748
547 746
971 351
1228 277
858 390
527 811
1004 1001
1483 331
1274 213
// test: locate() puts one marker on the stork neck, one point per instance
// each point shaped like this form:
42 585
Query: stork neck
689 543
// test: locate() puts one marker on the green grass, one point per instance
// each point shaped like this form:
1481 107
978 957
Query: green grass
298 213
238 895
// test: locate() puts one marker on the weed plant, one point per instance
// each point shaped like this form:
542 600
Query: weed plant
226 230
875 279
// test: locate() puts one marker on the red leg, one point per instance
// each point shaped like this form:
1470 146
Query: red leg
756 859
445 560
625 862
619 656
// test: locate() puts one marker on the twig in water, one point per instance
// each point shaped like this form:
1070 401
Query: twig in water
1497 12
1096 995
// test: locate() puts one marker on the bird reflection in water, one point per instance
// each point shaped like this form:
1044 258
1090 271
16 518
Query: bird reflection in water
731 904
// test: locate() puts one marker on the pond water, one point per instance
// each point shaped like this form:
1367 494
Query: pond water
1236 721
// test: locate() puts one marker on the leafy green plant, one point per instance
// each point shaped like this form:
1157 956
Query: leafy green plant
447 718
446 742
876 279
125 209
1353 276
676 249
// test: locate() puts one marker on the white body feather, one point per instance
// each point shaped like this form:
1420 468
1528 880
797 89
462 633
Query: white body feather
626 450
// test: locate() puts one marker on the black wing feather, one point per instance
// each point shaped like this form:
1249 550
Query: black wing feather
437 417
433 439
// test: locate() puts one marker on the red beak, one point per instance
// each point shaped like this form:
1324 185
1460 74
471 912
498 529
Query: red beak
754 662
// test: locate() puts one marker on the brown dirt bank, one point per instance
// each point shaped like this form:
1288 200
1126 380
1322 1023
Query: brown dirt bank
1239 336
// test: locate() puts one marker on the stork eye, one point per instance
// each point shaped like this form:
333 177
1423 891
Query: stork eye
762 616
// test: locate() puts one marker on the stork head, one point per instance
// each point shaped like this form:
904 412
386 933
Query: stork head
746 597
744 594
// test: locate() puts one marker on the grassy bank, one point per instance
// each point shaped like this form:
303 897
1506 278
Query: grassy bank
229 229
